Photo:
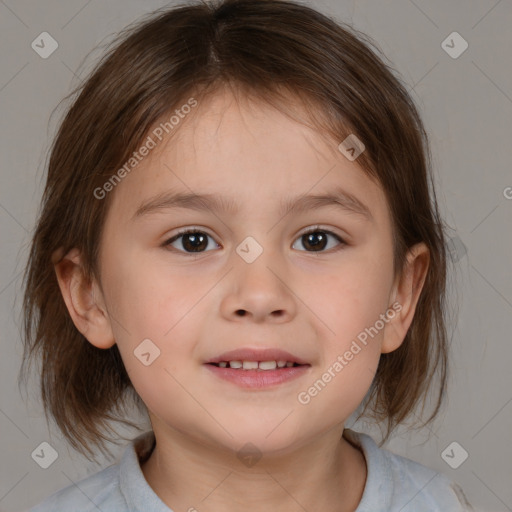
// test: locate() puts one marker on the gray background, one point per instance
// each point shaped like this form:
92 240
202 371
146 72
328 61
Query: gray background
467 108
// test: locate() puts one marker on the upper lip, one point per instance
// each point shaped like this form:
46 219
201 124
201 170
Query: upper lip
257 354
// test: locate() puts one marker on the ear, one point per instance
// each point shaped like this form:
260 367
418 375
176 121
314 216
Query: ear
405 295
84 300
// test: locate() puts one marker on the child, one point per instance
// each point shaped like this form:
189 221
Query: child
239 232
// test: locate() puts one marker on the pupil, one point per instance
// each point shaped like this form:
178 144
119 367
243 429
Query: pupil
316 240
197 242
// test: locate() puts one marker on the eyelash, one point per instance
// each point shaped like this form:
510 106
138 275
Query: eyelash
315 229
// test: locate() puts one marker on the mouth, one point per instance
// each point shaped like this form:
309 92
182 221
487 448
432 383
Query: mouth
251 378
257 359
258 368
256 365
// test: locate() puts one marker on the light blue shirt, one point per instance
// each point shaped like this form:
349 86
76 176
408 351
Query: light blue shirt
393 484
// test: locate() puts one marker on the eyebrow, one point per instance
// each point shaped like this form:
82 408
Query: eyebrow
212 202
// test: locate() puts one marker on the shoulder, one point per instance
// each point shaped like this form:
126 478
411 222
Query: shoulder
100 491
397 483
417 487
118 487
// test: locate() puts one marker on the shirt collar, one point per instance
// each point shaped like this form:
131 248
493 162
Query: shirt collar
136 491
378 489
377 493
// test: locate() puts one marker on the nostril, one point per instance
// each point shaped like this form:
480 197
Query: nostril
241 312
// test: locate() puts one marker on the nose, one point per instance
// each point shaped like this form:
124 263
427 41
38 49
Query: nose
259 292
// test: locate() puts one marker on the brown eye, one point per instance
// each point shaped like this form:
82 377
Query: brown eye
191 241
317 240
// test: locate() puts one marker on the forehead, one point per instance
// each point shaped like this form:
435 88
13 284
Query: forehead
248 154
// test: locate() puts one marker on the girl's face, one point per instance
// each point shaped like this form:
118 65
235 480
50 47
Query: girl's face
310 296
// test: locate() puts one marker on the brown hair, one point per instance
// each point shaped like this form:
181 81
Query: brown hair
262 48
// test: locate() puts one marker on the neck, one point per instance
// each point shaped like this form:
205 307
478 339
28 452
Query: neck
326 474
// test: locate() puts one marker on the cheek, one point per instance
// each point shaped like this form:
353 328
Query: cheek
143 296
349 304
150 302
350 298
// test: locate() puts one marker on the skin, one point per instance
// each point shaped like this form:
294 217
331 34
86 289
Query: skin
313 304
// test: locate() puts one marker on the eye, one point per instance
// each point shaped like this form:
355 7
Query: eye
317 239
193 240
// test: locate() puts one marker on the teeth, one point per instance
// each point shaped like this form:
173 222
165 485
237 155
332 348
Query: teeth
267 365
255 365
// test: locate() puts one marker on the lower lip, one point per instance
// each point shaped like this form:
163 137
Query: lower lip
257 379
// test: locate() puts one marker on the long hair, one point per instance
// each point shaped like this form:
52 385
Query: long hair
272 50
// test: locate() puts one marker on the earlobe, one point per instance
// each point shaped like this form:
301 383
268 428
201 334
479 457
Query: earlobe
406 294
82 299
